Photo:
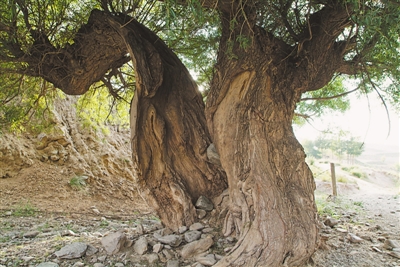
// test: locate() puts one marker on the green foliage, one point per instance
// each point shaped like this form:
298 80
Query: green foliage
338 141
318 103
378 46
325 207
333 207
193 33
24 100
319 174
5 239
342 179
104 224
354 171
98 108
311 150
78 182
24 210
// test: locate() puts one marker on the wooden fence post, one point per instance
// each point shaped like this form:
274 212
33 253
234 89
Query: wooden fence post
334 187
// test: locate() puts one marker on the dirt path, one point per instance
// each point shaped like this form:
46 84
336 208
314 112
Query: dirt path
369 209
378 200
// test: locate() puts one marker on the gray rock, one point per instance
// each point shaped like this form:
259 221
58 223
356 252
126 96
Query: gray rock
206 235
192 236
72 251
190 250
140 229
376 249
391 244
157 248
27 259
140 246
196 226
91 250
129 243
173 263
78 264
208 260
163 232
102 258
172 240
218 257
67 233
201 213
208 230
114 242
212 155
331 222
395 254
119 264
54 157
96 211
8 213
182 229
47 264
46 234
354 239
204 204
168 254
31 234
151 258
198 264
98 264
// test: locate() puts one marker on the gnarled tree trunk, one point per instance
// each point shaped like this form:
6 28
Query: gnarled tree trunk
249 112
169 132
168 129
270 186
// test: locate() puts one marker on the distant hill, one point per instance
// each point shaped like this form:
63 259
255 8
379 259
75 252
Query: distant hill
380 156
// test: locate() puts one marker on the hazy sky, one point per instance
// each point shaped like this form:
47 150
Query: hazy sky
369 123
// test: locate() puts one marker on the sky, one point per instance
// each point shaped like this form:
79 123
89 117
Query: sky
367 119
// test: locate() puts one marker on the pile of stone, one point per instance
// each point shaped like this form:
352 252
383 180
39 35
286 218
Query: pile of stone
196 245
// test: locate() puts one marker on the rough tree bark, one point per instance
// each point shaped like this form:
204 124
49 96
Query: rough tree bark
168 129
270 186
168 125
249 113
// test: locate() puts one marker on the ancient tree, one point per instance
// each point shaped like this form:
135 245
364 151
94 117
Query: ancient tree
270 54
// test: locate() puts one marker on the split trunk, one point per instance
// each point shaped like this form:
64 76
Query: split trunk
168 129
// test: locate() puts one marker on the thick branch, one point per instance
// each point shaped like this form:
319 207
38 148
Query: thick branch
329 97
321 55
96 49
349 68
304 116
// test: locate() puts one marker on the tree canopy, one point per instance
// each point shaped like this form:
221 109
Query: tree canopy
366 38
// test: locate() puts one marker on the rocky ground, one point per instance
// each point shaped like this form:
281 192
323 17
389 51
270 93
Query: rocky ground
358 229
31 238
69 199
